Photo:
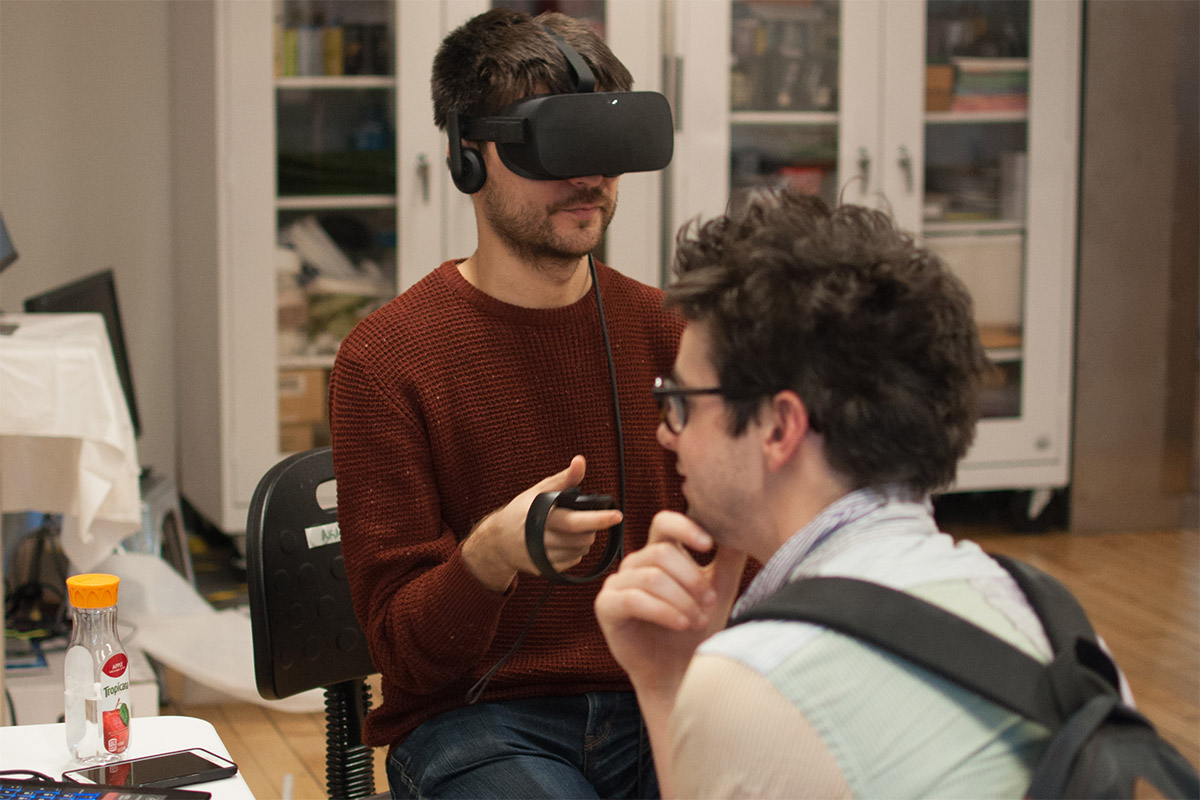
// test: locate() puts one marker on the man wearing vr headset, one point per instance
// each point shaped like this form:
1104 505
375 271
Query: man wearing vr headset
491 381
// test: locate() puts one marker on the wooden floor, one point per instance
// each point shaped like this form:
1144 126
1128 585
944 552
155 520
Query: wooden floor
1142 591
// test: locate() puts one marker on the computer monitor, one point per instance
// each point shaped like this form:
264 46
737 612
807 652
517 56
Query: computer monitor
96 293
8 253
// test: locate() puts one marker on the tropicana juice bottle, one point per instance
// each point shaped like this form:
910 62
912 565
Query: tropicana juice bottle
96 673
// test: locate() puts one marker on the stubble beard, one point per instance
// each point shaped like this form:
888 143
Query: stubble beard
531 235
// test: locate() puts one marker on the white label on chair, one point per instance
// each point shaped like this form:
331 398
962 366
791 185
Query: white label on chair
318 535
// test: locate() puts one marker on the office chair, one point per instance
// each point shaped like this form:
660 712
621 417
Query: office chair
304 629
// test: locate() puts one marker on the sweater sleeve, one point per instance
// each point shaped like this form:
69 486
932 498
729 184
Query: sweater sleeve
408 579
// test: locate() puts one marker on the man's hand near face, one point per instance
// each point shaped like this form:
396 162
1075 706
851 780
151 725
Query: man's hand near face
658 607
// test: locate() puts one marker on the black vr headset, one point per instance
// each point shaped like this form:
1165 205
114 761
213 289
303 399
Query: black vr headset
557 136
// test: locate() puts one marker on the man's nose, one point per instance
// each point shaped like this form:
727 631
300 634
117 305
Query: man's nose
587 180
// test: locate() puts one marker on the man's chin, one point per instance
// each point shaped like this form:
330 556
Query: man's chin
711 524
579 245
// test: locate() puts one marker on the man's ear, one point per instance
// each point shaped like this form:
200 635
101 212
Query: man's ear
785 424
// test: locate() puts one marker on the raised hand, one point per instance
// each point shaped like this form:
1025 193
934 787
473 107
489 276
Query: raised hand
495 551
660 604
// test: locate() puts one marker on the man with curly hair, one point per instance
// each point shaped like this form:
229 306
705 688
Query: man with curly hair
825 385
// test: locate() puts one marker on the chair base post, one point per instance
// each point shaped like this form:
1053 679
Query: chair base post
349 764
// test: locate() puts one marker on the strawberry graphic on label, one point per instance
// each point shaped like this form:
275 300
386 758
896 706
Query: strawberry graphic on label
116 729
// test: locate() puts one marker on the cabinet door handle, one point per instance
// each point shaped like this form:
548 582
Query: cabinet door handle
905 163
864 167
673 86
423 177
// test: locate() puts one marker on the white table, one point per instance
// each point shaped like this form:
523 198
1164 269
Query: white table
66 441
44 748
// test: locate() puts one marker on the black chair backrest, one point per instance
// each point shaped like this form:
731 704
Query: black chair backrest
301 619
304 629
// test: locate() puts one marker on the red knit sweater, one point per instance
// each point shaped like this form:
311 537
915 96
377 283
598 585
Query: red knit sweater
444 405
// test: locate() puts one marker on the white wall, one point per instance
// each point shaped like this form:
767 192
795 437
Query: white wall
84 174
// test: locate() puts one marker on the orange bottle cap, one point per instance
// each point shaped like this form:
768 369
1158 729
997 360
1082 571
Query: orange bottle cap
93 590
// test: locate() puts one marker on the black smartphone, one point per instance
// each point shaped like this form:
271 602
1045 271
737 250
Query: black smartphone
178 768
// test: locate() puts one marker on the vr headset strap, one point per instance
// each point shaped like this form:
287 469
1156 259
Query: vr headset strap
506 130
511 130
455 136
582 77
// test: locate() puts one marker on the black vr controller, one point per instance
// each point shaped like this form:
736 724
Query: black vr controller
535 532
559 136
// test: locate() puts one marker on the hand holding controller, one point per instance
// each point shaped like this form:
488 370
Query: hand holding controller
535 531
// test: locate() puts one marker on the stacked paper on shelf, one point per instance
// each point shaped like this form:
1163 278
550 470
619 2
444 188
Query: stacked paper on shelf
322 293
990 84
325 269
317 249
291 303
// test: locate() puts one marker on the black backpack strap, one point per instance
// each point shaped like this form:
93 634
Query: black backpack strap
1054 770
1060 613
1076 695
1081 669
920 632
1103 751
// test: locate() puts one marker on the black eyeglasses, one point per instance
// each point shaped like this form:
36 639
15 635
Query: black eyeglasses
672 402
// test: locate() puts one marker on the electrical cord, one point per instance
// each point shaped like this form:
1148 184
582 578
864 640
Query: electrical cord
26 775
23 610
620 551
476 691
12 710
612 377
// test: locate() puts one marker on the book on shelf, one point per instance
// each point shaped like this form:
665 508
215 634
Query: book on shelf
990 84
980 64
990 102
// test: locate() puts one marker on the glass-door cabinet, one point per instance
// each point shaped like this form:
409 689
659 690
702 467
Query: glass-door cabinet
960 117
784 96
336 192
305 194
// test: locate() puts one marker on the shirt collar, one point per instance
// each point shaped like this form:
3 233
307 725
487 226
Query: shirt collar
837 516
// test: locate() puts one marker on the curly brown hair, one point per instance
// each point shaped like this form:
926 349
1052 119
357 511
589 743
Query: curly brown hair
501 56
872 331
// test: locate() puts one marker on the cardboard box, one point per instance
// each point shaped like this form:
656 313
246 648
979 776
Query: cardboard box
991 267
295 437
939 87
302 395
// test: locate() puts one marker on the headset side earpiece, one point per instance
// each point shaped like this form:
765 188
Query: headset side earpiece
471 174
465 163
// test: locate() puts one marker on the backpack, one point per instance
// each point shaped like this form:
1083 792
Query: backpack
1099 746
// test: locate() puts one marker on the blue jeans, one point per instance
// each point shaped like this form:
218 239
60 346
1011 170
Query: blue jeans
585 746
